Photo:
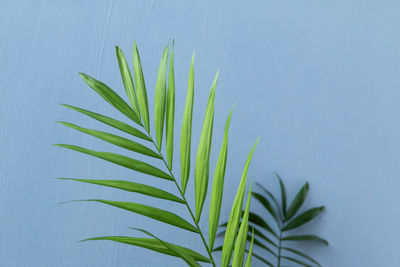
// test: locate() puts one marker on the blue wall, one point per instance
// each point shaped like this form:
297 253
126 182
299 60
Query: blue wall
318 80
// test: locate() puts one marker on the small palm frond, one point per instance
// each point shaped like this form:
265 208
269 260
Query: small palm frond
275 239
137 111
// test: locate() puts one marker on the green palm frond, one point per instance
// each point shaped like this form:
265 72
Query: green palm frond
275 239
150 149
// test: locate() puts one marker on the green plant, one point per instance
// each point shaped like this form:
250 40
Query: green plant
276 241
164 112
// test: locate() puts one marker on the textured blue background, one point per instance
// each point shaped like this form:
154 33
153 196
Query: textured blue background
317 80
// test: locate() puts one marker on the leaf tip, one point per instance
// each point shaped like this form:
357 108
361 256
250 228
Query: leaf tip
84 240
218 72
193 56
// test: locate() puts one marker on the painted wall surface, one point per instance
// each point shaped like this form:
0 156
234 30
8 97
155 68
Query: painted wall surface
317 80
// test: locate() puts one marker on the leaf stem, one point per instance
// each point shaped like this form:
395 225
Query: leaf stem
280 247
186 203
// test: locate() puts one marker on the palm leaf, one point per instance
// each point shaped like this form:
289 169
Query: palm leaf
132 187
124 161
170 116
218 186
115 140
176 250
152 244
111 122
140 87
240 244
127 80
151 212
303 218
297 202
202 168
186 133
159 101
111 97
164 110
236 211
271 204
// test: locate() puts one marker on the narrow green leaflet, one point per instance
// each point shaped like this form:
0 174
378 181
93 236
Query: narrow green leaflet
283 195
303 218
170 116
249 238
116 140
111 97
253 255
248 259
151 212
297 202
218 186
219 248
124 161
127 80
186 132
240 244
299 253
177 251
305 238
159 100
111 122
262 259
264 201
202 168
152 244
258 233
261 245
236 212
132 187
273 199
296 261
258 220
140 87
256 241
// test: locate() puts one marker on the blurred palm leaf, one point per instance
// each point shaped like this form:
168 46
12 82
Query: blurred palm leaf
164 116
275 240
